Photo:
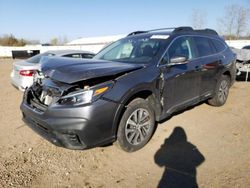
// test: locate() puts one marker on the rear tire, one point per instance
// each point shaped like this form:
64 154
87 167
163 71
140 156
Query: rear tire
221 92
137 126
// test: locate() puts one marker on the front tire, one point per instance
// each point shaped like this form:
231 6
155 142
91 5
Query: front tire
136 126
221 91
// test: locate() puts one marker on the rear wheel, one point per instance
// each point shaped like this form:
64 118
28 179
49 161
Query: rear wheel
221 92
136 126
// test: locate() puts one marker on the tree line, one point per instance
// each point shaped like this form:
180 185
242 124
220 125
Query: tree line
11 40
233 24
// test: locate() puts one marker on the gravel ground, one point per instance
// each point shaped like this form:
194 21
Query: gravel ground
204 146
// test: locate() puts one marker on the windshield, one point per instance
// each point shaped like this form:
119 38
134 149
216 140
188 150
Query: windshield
36 59
135 50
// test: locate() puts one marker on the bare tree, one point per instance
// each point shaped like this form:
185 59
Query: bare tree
227 22
65 40
234 21
54 41
241 20
198 19
59 41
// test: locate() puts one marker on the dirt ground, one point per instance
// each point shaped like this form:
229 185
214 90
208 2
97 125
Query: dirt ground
207 146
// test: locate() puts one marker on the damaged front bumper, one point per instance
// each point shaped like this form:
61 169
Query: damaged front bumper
72 127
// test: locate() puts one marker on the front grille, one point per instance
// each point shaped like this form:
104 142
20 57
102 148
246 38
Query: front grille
40 97
35 103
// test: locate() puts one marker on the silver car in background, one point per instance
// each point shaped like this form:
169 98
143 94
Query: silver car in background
23 71
243 62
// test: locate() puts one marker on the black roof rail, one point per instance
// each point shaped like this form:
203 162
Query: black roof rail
136 32
160 29
182 29
190 29
178 29
207 31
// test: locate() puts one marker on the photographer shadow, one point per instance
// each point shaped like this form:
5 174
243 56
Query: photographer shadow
180 159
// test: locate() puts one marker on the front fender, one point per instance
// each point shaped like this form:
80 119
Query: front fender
132 84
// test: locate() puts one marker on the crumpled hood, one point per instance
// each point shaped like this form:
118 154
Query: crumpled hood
70 70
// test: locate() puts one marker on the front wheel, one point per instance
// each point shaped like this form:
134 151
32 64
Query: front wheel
136 126
221 91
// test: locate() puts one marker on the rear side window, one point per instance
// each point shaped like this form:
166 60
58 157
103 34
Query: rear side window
73 55
36 59
204 46
246 47
219 46
88 56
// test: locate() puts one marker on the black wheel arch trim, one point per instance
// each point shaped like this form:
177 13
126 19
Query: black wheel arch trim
132 94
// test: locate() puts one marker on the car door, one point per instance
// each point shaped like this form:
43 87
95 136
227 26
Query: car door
210 61
181 81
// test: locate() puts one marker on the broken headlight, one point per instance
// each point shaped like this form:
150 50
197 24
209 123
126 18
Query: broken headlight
84 96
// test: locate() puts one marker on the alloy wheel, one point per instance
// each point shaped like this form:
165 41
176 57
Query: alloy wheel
138 126
223 91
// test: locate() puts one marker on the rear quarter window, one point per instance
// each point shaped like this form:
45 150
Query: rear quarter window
88 56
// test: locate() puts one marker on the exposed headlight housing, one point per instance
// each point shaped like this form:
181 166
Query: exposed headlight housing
84 96
38 77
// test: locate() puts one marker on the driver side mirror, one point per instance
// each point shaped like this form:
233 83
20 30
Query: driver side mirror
178 60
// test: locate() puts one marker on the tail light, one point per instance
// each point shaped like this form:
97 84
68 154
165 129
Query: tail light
27 72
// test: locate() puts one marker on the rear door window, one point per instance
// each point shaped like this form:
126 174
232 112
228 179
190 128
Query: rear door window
204 46
219 46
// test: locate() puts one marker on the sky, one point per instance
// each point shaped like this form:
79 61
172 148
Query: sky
45 19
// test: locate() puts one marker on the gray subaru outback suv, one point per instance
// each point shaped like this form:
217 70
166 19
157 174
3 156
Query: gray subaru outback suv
128 87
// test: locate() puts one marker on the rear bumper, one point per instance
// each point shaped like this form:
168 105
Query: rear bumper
73 127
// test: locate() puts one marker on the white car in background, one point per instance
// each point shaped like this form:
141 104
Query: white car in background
243 61
23 71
